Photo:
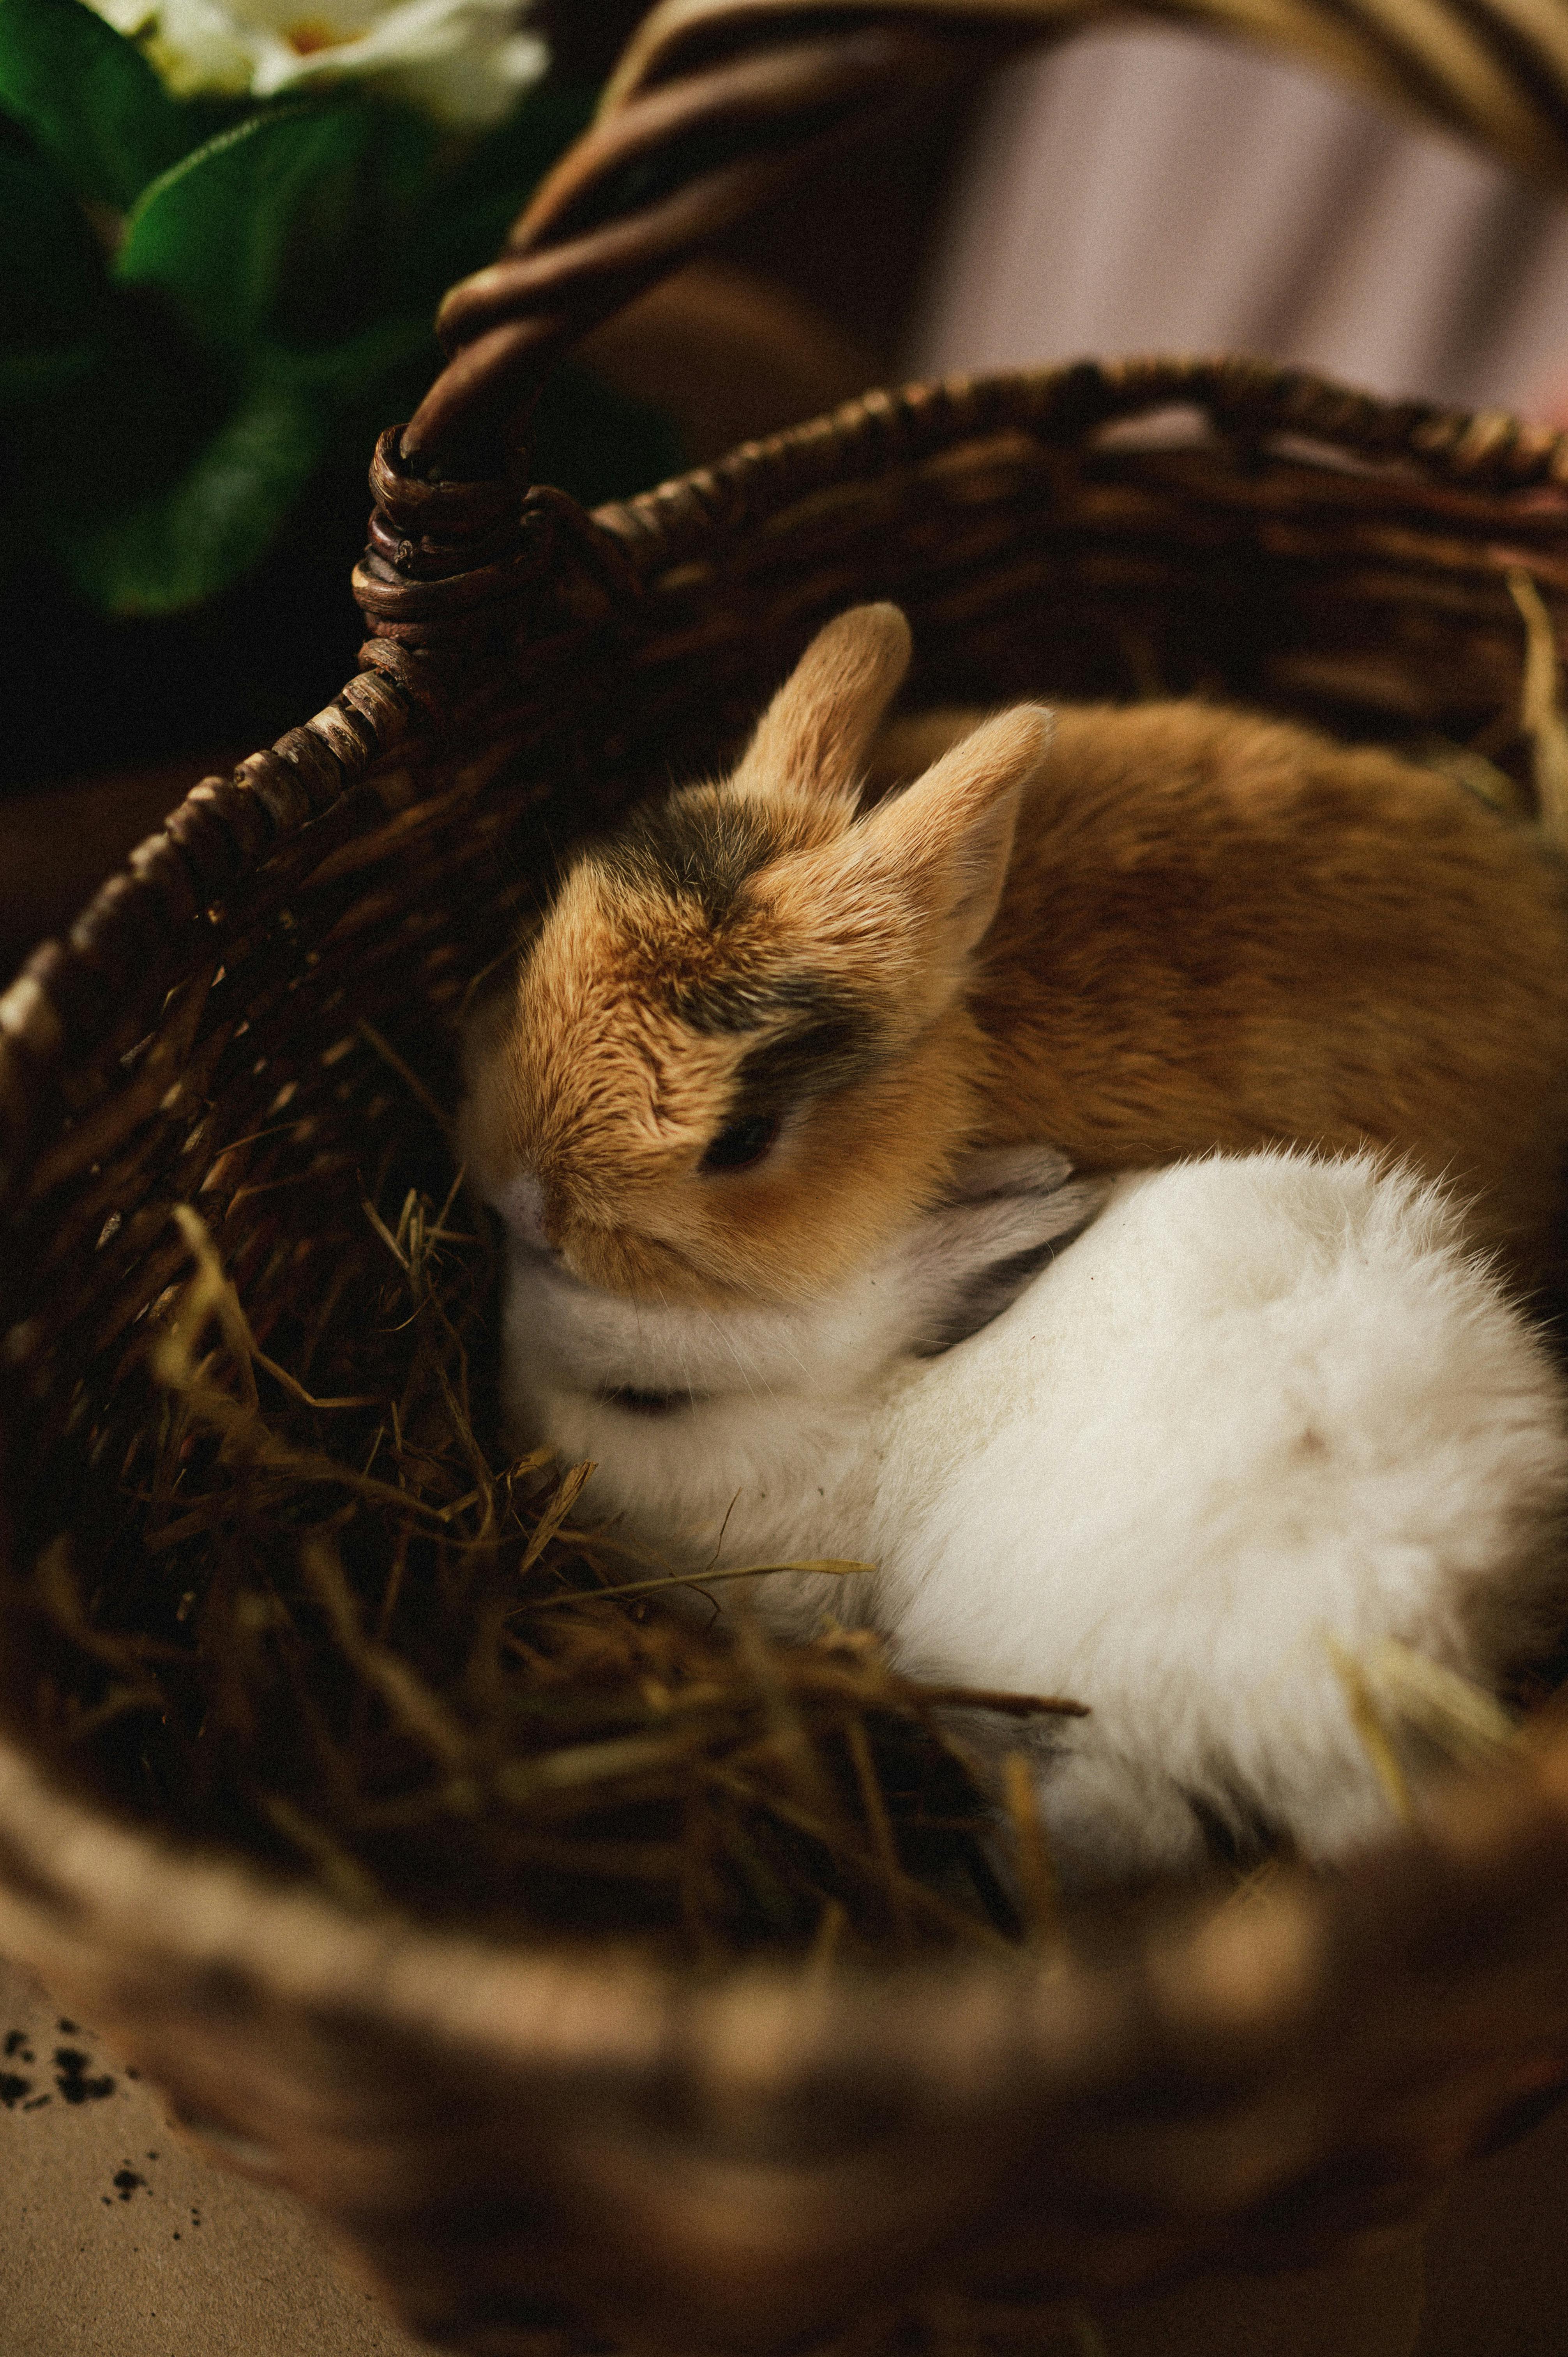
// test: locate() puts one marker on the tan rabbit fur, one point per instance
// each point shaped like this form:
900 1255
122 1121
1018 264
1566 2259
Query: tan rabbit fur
755 1031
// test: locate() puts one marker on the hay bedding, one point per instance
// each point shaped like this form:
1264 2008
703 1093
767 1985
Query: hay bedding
305 1608
327 1621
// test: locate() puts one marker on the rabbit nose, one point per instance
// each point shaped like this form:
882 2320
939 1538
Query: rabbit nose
520 1203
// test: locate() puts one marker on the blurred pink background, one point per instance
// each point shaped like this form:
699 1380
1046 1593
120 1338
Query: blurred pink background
1160 189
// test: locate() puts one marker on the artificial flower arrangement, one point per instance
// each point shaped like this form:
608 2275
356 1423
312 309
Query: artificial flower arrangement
224 230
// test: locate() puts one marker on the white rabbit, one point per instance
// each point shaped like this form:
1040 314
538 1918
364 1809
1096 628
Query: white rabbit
1263 1408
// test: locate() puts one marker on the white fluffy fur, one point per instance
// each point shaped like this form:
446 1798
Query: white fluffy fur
1263 1405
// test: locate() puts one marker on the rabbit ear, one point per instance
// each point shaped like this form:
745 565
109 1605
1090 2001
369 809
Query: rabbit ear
813 737
948 839
1007 1211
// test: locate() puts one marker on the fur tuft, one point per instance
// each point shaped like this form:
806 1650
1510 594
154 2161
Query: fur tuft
757 1031
1263 1408
756 956
813 738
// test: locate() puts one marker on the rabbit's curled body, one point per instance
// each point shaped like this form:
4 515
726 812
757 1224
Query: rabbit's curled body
756 1031
1219 930
1264 1407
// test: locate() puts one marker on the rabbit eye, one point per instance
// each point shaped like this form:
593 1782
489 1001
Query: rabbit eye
741 1143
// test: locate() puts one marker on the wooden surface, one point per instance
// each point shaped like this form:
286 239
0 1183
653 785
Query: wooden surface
188 2261
116 2241
120 2242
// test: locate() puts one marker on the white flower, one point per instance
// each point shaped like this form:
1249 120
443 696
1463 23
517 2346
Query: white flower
465 61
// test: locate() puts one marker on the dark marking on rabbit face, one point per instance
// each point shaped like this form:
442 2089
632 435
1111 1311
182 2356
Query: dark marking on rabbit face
700 846
826 1050
739 1055
799 1035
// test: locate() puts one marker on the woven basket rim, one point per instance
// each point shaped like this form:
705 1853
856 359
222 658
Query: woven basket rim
393 2065
82 1857
72 996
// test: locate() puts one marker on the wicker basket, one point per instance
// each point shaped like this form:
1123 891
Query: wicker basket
528 2150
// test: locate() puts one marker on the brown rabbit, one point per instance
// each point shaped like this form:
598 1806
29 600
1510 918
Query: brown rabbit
756 1031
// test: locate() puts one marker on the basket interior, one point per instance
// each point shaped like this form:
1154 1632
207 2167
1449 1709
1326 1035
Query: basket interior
291 1087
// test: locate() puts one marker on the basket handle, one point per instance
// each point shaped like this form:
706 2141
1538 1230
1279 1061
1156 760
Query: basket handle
718 104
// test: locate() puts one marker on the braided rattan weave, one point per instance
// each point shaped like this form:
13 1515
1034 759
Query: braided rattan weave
532 2150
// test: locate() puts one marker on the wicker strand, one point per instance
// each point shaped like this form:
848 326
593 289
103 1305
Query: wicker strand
719 104
1242 400
452 568
101 988
1497 71
592 237
546 571
227 1027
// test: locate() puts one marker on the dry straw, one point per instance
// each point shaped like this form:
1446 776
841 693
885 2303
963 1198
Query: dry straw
340 1629
322 1617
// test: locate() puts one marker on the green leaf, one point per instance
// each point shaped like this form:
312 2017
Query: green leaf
179 545
267 312
53 286
479 200
89 98
357 368
344 274
130 427
217 231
